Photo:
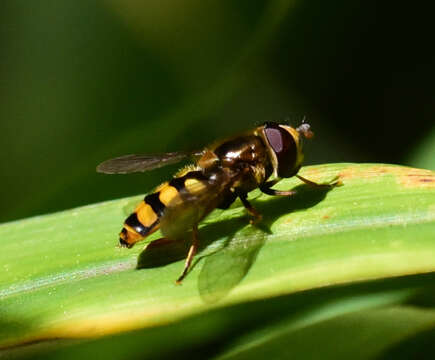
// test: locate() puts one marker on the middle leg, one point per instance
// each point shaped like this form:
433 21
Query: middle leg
251 210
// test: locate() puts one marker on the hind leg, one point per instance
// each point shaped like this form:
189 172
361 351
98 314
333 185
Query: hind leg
192 251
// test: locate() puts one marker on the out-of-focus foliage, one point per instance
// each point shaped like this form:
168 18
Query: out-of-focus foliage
83 81
424 154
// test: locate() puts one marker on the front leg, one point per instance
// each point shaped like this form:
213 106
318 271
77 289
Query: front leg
266 188
314 184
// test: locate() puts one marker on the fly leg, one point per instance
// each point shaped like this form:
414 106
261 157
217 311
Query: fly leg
192 251
251 210
266 188
314 184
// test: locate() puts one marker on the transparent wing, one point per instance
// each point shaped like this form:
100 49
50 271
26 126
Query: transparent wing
143 162
192 204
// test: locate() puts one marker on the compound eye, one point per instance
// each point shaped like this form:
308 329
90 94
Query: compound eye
284 146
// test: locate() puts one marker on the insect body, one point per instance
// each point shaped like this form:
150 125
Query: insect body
223 172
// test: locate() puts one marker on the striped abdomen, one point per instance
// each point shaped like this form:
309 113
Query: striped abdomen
147 216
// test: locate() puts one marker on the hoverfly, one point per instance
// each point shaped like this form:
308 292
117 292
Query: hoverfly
223 172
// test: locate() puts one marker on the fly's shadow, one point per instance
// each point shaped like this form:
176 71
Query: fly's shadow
230 247
226 267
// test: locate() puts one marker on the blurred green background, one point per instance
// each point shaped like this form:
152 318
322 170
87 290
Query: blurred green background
84 81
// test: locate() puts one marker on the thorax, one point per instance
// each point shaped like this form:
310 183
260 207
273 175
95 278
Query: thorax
245 157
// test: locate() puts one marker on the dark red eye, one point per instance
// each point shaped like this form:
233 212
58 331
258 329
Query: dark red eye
284 146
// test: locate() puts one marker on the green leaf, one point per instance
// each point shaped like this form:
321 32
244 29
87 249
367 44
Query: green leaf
340 337
63 276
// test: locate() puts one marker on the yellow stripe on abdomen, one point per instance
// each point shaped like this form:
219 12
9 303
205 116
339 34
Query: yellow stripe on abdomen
194 186
145 214
168 194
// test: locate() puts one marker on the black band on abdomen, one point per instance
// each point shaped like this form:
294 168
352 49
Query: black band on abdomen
135 224
153 200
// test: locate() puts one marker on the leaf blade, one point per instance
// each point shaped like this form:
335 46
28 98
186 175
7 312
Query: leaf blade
65 277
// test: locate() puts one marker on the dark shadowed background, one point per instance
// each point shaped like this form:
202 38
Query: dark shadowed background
83 81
